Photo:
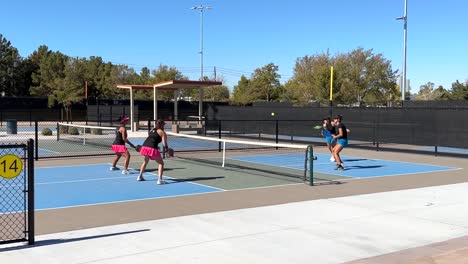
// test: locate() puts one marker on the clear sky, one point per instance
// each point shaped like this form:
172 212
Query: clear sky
242 35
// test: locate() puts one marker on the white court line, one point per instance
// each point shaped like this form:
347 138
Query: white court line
109 164
171 196
50 151
123 201
81 165
178 180
87 180
390 175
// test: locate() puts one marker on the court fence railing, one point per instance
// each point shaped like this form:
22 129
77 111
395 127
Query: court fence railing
419 137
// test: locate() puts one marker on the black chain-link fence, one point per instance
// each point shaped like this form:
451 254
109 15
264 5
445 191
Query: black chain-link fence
17 193
429 130
408 129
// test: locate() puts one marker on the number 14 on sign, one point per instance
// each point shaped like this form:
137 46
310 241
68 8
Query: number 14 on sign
10 166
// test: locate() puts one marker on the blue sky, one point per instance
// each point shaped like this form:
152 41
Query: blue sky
242 35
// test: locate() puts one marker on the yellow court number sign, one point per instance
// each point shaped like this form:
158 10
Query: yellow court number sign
10 166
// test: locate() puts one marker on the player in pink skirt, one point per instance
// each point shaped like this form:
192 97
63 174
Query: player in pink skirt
118 146
150 151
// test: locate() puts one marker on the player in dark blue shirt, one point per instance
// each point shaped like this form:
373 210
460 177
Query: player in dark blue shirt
328 130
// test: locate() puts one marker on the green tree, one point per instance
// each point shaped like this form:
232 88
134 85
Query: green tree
459 91
68 91
241 94
362 76
310 81
425 92
51 69
218 93
265 84
13 70
93 76
441 93
145 76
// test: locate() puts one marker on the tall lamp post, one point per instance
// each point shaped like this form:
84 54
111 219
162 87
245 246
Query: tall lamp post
405 20
202 8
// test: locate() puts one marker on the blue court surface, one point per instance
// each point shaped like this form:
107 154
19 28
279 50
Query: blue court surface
354 167
68 186
46 151
58 187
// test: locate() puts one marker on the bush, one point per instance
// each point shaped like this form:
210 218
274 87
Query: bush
73 131
46 132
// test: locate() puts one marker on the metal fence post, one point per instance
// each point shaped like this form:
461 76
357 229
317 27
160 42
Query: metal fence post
31 222
36 136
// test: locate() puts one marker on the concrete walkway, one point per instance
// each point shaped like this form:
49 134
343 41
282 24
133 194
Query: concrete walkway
336 230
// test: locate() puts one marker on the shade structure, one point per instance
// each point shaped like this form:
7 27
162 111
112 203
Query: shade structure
172 85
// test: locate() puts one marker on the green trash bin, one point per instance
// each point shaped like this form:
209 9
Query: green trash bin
11 127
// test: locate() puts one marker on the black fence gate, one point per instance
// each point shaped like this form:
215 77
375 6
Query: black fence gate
17 192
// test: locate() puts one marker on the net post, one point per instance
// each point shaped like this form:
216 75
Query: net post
219 133
31 208
84 136
311 164
276 131
224 152
58 132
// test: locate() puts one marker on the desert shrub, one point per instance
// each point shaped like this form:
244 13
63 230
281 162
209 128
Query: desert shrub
73 131
46 132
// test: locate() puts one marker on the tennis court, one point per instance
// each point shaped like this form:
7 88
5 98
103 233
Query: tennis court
82 204
94 184
256 192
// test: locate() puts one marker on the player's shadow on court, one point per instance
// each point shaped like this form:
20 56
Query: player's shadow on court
196 179
351 160
48 242
165 169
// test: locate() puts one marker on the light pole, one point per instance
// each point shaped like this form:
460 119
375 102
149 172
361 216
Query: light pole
405 20
202 8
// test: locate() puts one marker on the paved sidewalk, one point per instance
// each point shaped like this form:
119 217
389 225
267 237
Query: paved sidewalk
336 230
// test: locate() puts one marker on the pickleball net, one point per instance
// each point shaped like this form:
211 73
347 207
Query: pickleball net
86 135
255 157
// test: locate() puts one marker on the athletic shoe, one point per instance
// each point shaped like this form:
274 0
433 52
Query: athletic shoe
340 168
140 178
113 168
161 182
332 159
125 172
